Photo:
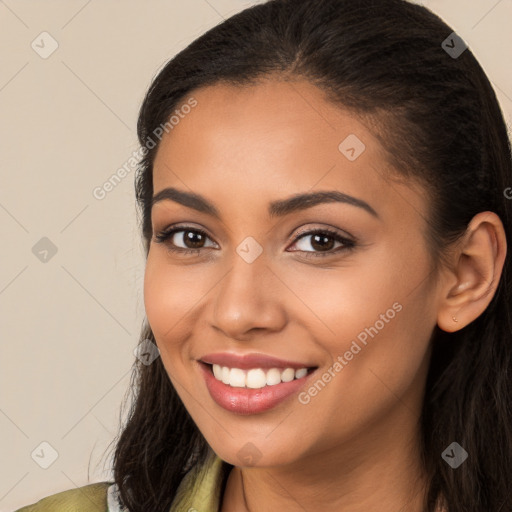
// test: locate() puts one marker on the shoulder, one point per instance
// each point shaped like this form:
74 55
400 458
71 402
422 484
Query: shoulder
202 487
89 498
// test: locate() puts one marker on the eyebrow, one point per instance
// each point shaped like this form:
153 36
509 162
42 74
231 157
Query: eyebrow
278 208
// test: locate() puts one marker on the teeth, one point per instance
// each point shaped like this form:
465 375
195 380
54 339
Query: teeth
273 377
217 371
288 375
301 373
237 378
256 377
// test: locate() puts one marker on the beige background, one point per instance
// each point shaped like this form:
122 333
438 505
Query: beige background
69 325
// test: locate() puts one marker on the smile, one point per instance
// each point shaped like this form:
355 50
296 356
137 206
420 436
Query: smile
256 378
252 390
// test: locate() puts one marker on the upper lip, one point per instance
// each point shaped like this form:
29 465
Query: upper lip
248 361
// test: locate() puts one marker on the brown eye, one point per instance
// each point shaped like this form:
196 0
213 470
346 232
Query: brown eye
322 242
193 239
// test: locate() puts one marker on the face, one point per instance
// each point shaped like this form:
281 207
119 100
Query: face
341 287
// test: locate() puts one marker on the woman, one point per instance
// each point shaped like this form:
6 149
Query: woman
325 215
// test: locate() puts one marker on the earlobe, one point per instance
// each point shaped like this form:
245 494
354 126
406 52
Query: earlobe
477 266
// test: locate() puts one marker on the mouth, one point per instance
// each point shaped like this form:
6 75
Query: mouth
253 390
256 378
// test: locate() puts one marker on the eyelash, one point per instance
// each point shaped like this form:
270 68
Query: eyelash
348 245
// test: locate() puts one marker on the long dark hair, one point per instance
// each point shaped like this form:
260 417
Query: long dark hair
438 117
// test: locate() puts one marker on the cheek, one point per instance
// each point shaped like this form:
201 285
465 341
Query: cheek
170 294
382 320
165 311
344 300
378 313
158 302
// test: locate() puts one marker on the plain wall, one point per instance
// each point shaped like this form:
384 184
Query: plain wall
69 325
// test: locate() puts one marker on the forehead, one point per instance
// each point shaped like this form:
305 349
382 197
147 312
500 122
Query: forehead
269 137
250 113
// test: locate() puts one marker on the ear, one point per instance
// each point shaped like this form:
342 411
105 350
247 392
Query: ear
477 263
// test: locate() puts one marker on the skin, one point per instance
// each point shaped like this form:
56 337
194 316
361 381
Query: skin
355 445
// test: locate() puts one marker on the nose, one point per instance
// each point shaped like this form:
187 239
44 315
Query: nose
248 299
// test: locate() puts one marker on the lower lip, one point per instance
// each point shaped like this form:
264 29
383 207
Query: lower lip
246 400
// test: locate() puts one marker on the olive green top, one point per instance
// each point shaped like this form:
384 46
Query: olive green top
194 492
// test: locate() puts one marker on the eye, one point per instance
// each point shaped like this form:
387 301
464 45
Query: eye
322 242
193 239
